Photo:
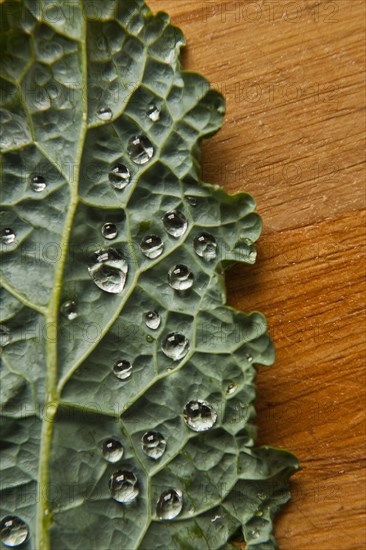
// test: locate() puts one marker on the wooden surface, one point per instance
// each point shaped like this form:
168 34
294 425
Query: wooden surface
293 137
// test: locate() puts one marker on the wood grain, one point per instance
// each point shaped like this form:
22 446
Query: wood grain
292 75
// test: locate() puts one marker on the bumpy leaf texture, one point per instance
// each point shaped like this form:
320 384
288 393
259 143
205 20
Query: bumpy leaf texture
127 383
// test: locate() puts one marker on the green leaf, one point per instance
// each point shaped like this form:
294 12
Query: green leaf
101 126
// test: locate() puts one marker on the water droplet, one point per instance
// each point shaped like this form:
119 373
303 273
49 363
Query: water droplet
112 450
249 357
152 246
231 389
140 150
119 176
205 246
153 113
122 486
152 320
122 369
38 184
109 231
180 277
104 113
13 531
170 504
149 339
175 223
68 310
153 444
199 416
175 346
4 335
108 269
7 236
192 200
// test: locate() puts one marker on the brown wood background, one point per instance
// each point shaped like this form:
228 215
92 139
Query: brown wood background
292 75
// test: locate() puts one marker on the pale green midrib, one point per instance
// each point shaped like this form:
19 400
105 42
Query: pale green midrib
51 398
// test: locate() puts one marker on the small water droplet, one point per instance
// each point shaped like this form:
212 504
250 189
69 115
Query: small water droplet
180 277
152 320
192 200
205 246
175 346
109 231
108 269
112 450
249 357
175 223
122 486
38 184
140 150
170 504
199 416
231 389
153 444
149 339
4 335
152 246
119 176
104 113
7 236
68 310
153 113
122 369
13 531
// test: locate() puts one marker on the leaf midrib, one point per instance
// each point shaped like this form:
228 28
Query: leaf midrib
52 318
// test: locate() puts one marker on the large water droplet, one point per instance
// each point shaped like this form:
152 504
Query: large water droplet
119 176
152 246
112 450
180 277
175 223
38 184
122 369
13 531
108 269
153 112
152 320
199 416
68 310
109 231
7 236
175 346
122 486
140 150
153 444
170 504
205 246
4 335
104 113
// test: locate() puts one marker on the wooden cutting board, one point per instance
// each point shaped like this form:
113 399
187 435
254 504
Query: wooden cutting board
293 137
